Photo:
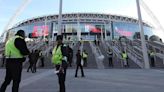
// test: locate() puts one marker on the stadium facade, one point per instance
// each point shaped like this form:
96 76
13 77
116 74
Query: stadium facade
91 26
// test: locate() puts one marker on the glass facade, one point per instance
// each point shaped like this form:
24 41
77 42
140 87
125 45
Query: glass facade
89 30
128 29
33 30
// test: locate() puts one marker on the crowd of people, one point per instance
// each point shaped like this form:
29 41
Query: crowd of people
16 52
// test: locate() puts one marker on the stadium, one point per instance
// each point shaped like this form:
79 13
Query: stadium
89 26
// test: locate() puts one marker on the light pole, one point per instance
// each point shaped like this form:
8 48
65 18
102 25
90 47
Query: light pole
102 33
105 31
144 49
79 29
45 28
60 18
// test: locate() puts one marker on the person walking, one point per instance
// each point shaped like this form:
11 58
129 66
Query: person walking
31 61
36 57
59 59
41 59
15 52
70 55
110 57
78 64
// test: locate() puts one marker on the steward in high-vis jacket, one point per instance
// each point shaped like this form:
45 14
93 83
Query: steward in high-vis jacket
59 59
15 52
152 58
125 59
84 57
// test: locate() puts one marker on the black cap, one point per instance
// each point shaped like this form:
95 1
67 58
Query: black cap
59 37
20 33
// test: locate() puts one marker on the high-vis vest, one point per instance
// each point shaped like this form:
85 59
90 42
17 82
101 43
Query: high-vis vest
84 55
124 56
10 50
152 54
57 55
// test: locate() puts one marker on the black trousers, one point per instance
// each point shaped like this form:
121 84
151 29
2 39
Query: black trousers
30 67
85 62
42 61
110 61
70 61
34 66
3 62
13 72
152 62
82 72
61 79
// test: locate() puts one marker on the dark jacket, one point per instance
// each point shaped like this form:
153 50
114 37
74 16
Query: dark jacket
78 58
20 44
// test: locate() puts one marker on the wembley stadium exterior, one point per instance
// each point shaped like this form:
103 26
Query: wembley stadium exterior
90 25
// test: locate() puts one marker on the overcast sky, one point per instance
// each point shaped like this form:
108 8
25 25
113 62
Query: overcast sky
44 7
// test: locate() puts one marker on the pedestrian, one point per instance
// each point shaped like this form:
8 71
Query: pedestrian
95 42
125 59
110 57
152 58
31 61
42 59
84 57
3 60
59 59
79 64
98 42
36 57
70 55
15 52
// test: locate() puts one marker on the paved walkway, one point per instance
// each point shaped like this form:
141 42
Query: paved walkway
105 80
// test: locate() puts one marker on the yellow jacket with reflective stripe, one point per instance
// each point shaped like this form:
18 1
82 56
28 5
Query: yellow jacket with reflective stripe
10 50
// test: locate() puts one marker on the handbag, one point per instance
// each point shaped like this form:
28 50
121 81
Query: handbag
82 62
